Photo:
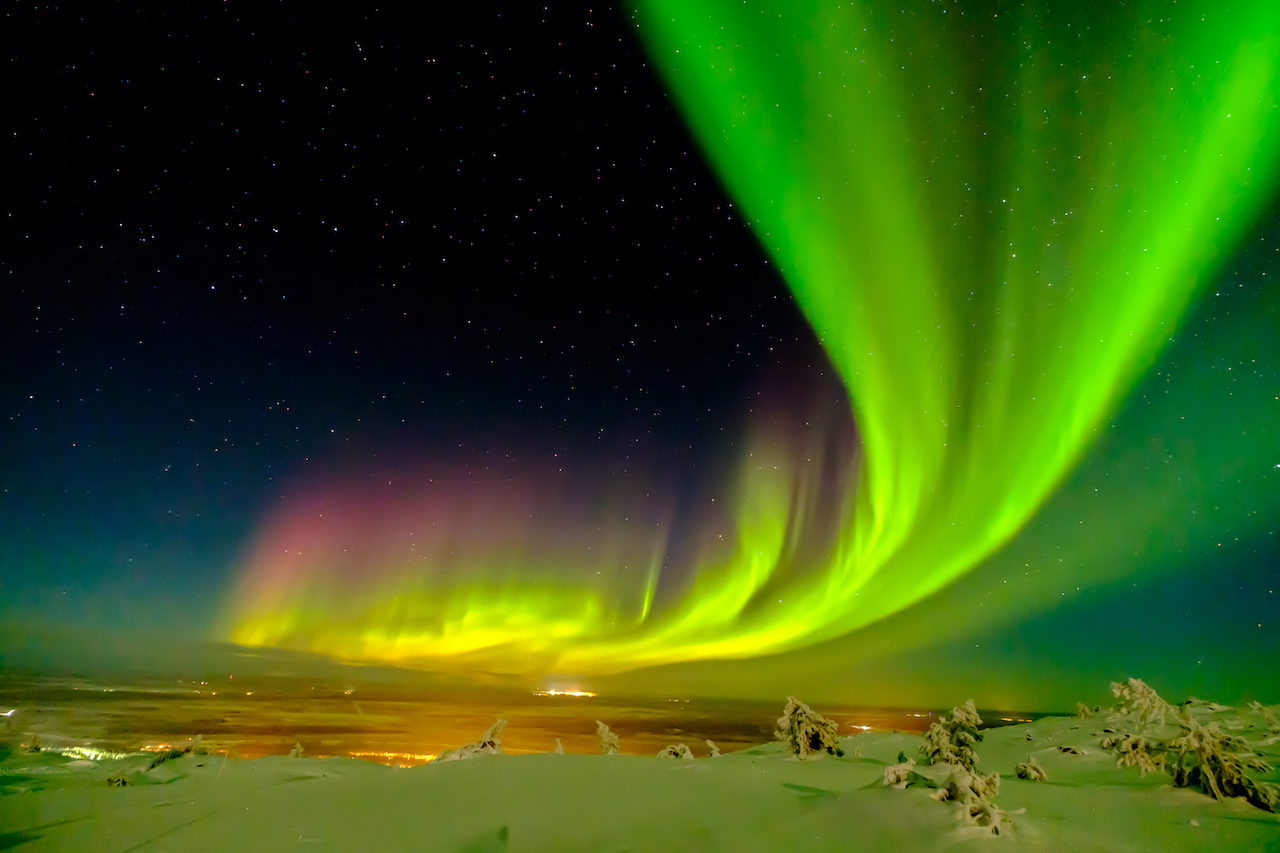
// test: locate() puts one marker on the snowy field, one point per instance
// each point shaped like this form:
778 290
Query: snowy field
762 798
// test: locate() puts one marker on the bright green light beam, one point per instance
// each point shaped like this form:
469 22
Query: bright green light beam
992 217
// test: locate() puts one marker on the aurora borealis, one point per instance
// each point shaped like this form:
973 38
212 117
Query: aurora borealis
729 348
992 225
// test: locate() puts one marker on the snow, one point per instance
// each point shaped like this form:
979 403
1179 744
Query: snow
756 799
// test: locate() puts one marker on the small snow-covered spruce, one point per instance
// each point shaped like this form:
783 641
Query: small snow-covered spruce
489 744
559 750
678 750
1216 762
900 775
974 793
950 740
1273 725
1030 770
1140 700
806 732
296 752
715 750
1083 711
608 740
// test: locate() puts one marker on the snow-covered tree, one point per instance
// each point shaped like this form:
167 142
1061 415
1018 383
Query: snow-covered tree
678 750
489 744
559 750
296 752
806 732
1030 770
1206 757
901 774
950 740
1201 755
715 750
1141 701
1136 751
608 740
974 792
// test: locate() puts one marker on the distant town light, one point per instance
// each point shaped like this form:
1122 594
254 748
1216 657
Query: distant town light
562 693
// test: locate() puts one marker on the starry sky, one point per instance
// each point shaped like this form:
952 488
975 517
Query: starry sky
472 345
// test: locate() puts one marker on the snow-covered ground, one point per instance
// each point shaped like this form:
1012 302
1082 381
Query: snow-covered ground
761 798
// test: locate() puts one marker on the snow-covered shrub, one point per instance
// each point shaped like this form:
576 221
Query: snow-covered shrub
1216 762
678 750
559 750
1140 700
950 740
608 740
296 752
1201 756
805 731
964 786
986 815
1083 711
489 744
974 792
715 750
1136 751
898 775
1030 770
33 745
1273 725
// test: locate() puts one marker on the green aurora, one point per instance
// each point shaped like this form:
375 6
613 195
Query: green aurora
992 219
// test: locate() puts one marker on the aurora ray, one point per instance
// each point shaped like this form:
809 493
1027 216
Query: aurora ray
992 221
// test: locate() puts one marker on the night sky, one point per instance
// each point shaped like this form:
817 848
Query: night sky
453 344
